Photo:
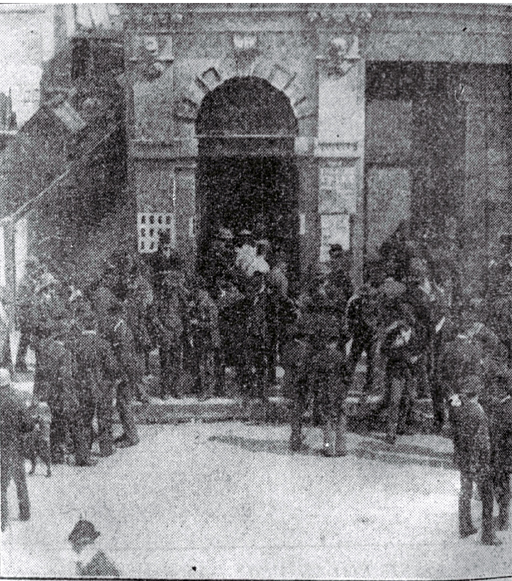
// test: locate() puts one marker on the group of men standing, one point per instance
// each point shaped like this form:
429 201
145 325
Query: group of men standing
85 360
410 317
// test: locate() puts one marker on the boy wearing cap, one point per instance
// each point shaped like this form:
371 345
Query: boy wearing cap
472 455
90 561
14 422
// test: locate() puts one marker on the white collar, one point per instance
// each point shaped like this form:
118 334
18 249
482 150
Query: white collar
87 554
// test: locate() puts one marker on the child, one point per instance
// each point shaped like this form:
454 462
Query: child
37 442
472 455
91 561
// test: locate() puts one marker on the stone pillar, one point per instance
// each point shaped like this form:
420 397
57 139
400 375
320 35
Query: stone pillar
339 147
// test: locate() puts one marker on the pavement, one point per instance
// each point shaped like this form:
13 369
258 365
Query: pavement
228 500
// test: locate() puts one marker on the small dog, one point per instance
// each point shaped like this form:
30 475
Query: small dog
37 442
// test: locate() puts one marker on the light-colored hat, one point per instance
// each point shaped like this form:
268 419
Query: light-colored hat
5 377
225 234
47 279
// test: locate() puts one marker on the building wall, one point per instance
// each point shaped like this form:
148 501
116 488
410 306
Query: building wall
317 55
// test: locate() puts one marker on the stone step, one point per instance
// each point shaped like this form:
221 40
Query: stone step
275 411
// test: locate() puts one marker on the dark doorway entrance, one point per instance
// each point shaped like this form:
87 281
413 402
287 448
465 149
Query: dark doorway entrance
246 175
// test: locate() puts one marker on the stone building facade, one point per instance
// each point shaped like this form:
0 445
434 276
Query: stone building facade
348 118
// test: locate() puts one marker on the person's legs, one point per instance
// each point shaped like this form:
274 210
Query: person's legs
124 406
58 431
502 491
24 343
105 436
341 448
20 479
396 385
488 536
298 405
466 527
80 436
5 477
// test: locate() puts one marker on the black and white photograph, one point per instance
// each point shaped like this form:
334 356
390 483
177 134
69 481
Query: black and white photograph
256 290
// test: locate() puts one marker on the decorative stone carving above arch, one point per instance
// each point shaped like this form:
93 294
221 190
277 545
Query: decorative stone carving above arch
277 74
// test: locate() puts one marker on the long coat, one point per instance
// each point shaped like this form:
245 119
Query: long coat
54 382
502 436
325 376
96 366
15 420
471 438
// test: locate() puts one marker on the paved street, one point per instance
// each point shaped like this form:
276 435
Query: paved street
228 500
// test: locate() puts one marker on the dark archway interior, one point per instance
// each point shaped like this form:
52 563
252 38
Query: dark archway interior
246 106
247 176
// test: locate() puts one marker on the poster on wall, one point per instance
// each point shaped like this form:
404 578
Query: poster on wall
335 229
337 189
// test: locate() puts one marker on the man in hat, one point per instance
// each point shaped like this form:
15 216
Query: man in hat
219 261
25 298
56 386
326 378
205 338
499 293
401 347
96 371
168 317
339 275
363 316
296 355
501 447
49 313
164 260
14 422
129 371
90 561
472 455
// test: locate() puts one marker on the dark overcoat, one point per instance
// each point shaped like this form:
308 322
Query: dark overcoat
471 438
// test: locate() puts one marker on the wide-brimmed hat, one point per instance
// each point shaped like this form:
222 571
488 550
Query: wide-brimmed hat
82 531
5 377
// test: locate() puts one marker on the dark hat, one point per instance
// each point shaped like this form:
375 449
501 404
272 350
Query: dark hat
83 530
336 248
164 237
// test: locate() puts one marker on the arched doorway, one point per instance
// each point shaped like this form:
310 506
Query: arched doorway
246 174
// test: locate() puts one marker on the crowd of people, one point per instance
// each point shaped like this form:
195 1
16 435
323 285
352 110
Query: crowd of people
243 310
